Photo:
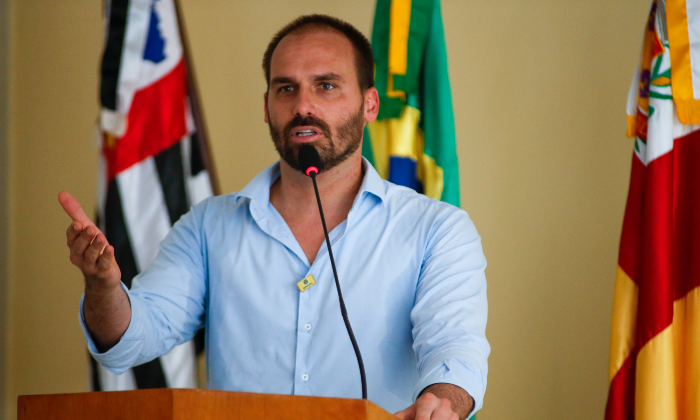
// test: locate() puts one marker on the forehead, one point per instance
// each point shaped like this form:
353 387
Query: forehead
315 51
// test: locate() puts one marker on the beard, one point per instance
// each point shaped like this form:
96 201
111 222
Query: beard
334 151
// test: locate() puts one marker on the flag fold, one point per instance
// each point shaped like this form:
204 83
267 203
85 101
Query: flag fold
412 142
654 365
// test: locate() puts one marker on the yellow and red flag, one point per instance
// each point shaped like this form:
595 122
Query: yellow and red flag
655 347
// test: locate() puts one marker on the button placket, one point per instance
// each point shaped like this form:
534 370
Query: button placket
303 339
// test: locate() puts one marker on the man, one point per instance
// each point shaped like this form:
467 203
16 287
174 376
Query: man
411 268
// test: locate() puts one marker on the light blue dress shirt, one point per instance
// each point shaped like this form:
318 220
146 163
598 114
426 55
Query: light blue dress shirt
411 271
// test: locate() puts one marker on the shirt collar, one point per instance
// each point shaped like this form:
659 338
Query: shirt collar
372 183
259 187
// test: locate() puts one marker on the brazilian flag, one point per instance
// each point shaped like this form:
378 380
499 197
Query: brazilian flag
412 142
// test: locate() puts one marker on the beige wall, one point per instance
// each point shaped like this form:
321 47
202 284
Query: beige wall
539 96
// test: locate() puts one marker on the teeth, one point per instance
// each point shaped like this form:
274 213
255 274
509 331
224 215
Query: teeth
303 133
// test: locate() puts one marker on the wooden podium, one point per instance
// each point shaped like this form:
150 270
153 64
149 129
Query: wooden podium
193 404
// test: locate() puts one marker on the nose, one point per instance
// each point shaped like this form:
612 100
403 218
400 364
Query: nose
305 104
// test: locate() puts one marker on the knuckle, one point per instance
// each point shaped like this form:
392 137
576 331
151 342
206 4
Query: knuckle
102 264
74 259
429 397
92 251
80 243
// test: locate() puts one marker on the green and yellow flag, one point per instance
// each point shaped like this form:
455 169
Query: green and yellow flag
412 142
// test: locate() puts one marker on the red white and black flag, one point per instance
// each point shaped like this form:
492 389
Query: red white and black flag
154 160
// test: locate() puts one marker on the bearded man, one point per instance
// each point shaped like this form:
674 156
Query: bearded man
411 268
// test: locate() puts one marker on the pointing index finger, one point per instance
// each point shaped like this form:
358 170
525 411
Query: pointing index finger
72 208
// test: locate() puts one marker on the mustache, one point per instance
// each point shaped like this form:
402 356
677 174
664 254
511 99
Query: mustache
307 121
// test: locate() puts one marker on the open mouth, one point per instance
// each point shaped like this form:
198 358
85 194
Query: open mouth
305 134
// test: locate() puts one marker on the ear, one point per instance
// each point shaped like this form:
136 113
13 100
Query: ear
267 117
371 104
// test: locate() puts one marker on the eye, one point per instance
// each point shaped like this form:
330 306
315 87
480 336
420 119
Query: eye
286 88
327 86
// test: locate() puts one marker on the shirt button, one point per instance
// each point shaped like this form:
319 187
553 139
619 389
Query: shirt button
307 327
305 377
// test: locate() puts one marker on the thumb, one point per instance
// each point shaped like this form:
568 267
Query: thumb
406 414
72 208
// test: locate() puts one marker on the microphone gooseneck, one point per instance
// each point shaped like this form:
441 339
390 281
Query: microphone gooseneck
310 161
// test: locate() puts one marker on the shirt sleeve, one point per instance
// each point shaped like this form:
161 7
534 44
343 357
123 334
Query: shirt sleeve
167 299
449 316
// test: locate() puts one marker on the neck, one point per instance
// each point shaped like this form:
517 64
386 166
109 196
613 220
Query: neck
293 193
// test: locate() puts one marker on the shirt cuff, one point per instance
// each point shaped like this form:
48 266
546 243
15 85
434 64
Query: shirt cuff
453 371
122 356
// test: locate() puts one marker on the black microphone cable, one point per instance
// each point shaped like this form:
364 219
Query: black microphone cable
310 160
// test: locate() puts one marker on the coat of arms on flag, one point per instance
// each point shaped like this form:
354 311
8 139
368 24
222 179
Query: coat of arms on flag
153 159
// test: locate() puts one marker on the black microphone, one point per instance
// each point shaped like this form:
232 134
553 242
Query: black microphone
310 161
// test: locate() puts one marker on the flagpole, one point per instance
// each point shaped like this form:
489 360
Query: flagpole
193 93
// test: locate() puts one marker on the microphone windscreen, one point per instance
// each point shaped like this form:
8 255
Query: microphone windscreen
309 157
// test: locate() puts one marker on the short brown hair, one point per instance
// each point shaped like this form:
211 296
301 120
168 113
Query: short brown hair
364 60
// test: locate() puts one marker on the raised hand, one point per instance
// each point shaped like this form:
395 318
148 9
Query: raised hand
89 250
106 307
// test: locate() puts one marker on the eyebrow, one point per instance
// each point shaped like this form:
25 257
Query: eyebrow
280 80
327 76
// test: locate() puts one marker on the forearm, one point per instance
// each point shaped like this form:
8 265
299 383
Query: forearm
462 402
107 314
